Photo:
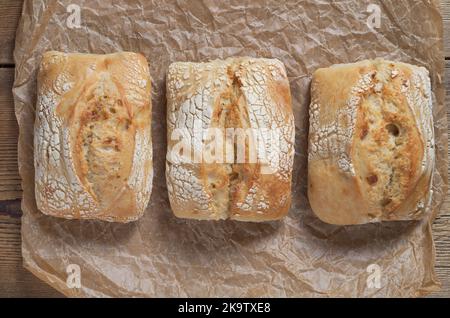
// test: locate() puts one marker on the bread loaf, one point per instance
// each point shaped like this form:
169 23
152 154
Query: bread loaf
242 96
371 142
92 141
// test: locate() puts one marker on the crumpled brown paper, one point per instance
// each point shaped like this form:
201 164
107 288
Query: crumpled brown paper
161 255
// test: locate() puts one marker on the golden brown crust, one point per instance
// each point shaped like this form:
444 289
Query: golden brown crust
239 94
93 116
370 143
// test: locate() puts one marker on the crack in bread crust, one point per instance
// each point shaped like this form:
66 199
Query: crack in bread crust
236 93
371 133
93 151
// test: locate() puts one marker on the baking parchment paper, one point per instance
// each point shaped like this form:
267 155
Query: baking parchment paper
161 255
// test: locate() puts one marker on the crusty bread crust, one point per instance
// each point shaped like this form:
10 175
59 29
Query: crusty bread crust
371 139
234 93
93 151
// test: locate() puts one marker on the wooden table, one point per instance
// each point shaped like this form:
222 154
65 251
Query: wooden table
15 281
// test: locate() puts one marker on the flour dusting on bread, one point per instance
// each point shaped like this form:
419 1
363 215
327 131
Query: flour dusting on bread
93 151
371 152
241 97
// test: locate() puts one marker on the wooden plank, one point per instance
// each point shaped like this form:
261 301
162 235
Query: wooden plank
441 226
16 281
9 18
441 234
445 11
10 187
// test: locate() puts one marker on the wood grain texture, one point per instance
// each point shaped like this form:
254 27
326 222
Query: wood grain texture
15 281
10 187
9 17
445 9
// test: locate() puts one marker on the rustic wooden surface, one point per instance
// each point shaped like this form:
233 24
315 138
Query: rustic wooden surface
15 281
